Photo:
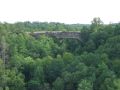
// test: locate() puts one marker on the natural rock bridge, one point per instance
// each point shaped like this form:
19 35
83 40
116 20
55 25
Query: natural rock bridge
58 34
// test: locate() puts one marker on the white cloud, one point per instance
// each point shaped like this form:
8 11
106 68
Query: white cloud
66 11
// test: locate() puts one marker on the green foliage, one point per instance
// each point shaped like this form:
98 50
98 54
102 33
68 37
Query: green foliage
11 79
15 80
67 57
85 85
96 24
58 84
91 62
117 83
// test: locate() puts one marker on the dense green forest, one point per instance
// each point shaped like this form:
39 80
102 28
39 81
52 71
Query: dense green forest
47 63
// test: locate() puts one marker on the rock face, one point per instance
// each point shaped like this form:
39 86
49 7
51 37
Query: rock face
58 34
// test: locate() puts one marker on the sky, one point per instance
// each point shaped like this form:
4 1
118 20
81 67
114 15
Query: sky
64 11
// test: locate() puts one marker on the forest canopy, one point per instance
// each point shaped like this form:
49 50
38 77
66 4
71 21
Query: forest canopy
49 63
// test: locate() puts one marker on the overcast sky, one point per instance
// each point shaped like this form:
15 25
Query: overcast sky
65 11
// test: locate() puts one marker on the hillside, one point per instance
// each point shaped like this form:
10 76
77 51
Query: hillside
50 63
